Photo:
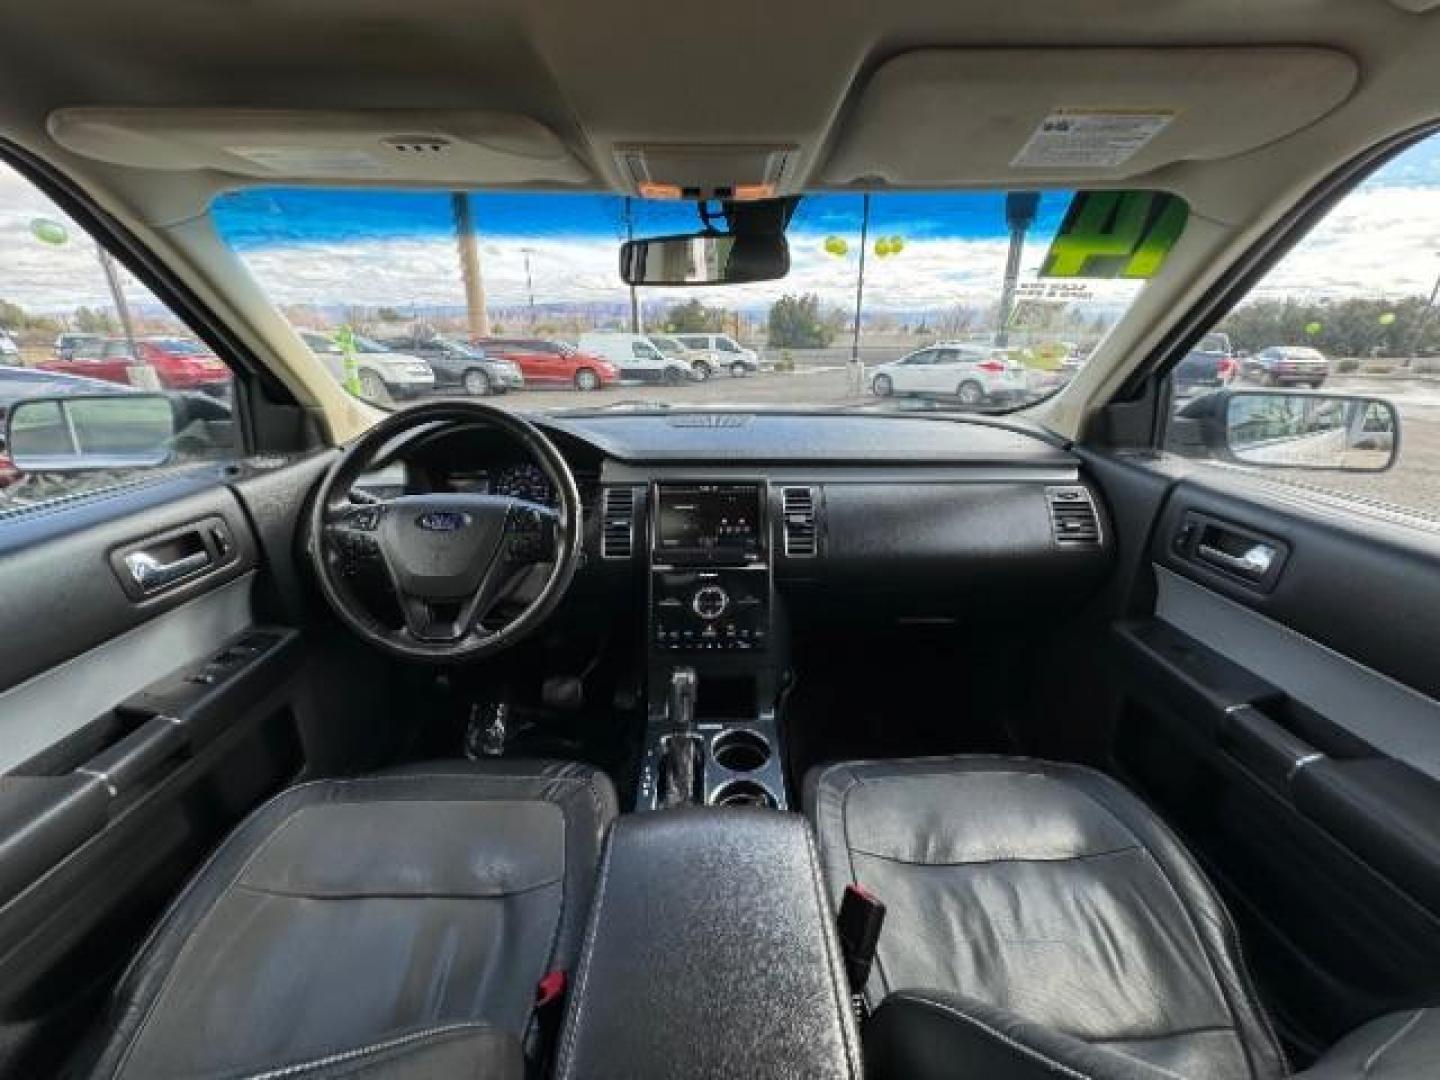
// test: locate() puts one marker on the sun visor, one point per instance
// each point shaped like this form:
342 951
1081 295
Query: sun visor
942 117
453 148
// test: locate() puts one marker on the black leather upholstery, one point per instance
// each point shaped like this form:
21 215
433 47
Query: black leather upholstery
711 953
1402 1046
918 1034
1049 892
349 913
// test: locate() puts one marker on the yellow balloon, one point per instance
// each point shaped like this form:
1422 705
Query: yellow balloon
835 245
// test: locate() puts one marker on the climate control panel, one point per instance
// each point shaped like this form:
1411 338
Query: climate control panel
703 610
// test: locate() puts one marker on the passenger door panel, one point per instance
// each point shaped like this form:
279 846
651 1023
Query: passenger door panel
1288 723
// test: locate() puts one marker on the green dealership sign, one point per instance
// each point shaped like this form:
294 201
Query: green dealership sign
1115 234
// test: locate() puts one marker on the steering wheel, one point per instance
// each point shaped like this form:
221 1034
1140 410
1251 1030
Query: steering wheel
448 559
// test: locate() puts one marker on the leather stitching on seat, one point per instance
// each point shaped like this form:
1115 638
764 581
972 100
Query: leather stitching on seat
1002 859
832 961
295 894
1390 1043
368 1050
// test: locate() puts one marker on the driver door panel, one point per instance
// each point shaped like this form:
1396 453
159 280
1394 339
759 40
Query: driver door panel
136 727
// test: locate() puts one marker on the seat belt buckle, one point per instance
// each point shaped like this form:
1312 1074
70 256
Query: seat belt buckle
550 1010
858 926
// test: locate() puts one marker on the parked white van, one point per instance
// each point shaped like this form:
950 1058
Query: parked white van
720 352
636 357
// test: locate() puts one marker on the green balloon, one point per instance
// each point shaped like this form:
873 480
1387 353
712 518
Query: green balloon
1386 318
897 245
1313 328
49 232
882 247
835 245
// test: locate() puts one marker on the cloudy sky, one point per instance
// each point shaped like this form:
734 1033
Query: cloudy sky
397 249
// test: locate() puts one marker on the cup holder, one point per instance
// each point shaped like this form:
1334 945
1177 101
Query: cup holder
740 750
743 793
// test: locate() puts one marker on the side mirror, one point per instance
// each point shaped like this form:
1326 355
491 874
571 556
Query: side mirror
89 432
707 258
1299 429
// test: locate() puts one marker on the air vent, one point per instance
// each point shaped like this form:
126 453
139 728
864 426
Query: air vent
1072 517
798 512
617 535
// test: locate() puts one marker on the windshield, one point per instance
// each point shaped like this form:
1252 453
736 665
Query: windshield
1014 289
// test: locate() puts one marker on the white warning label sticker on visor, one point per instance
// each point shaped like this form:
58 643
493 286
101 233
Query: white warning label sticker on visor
1090 138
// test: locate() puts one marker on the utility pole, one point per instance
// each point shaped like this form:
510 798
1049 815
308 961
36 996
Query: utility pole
1020 209
476 317
857 370
122 307
634 299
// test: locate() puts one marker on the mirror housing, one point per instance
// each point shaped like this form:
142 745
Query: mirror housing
1294 429
705 258
88 432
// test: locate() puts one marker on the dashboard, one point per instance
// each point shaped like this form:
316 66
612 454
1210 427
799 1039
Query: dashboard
900 516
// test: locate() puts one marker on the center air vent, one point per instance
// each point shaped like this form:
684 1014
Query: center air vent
1073 520
617 528
798 519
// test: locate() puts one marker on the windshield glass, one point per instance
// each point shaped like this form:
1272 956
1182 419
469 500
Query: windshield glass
1019 288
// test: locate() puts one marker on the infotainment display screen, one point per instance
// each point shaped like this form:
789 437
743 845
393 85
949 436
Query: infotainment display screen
708 523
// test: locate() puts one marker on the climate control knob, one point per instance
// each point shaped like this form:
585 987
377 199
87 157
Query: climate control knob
710 602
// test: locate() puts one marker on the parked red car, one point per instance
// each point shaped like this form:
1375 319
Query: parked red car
180 364
552 363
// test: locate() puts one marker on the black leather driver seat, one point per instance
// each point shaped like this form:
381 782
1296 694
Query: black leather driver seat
350 924
1042 902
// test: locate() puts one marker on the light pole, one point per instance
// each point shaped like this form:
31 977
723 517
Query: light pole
1020 208
529 286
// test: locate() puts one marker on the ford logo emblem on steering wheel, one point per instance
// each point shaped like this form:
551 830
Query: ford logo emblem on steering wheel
442 520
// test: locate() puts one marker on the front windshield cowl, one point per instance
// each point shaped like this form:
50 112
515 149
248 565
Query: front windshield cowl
994 300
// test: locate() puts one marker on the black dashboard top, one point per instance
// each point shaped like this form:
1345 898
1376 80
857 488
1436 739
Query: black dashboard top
716 438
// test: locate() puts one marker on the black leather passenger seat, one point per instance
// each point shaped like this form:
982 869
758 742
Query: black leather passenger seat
1049 891
394 924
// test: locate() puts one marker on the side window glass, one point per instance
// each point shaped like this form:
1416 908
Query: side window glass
103 381
1327 374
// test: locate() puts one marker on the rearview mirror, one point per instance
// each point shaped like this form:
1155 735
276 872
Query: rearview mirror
1309 431
89 432
706 258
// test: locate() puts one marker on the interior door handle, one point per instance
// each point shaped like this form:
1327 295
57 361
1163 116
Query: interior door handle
1254 562
150 574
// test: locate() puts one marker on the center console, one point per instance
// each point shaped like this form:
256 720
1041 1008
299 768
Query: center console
713 657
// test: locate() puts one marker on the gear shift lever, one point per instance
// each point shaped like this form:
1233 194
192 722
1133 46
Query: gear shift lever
680 749
683 684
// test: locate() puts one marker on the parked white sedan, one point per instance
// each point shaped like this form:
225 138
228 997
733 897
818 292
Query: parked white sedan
977 375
